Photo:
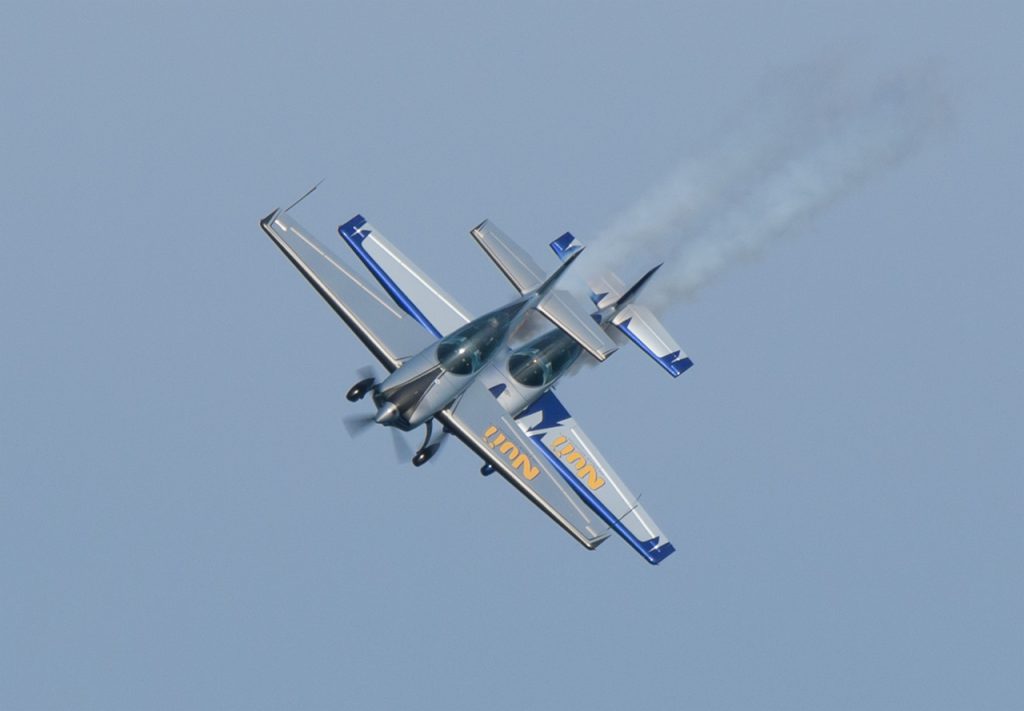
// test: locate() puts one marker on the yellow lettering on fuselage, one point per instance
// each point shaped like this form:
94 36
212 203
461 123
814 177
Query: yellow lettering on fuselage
584 470
519 460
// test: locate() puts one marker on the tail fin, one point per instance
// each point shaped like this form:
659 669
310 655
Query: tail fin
615 305
549 283
566 245
631 292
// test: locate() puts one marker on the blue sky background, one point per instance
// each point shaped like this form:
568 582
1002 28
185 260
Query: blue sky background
186 523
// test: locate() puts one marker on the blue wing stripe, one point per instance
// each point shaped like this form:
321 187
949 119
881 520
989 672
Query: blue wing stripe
354 235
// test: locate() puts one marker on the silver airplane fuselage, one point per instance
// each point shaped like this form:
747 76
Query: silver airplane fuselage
431 380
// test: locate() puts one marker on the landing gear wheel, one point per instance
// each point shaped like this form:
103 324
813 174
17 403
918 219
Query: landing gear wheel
359 390
426 450
421 457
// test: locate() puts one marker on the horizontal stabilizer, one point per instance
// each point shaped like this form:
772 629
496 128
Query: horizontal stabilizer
644 329
568 313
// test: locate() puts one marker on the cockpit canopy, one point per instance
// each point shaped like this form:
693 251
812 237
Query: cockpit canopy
539 363
468 349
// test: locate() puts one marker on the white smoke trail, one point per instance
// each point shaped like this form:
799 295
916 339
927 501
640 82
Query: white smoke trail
795 151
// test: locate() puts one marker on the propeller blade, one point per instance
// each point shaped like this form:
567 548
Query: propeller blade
357 424
402 449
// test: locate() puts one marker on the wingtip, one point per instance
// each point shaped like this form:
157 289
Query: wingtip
269 218
600 355
660 553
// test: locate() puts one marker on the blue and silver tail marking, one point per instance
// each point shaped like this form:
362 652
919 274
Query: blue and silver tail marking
676 362
566 245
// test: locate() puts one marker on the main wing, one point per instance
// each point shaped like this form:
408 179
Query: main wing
410 287
386 331
564 444
485 427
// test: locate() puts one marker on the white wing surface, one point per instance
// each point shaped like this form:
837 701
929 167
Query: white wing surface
391 335
513 261
486 428
563 309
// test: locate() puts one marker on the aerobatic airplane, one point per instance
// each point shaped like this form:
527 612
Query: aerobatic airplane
461 371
